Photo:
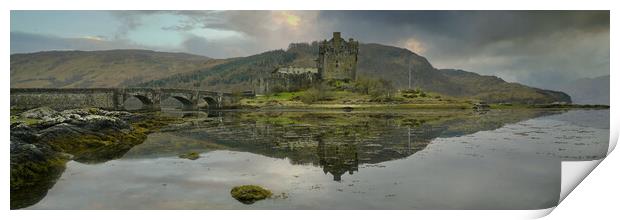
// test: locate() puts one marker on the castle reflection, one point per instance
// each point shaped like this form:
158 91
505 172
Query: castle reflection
339 142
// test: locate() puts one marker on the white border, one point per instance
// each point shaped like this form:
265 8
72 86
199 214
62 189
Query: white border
586 205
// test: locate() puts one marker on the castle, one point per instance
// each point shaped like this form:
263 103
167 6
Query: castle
337 61
338 58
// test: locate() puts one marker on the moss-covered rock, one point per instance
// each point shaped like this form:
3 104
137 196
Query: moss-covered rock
248 194
89 146
101 137
34 170
39 151
190 156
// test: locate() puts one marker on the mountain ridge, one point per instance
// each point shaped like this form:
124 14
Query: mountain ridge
194 71
104 68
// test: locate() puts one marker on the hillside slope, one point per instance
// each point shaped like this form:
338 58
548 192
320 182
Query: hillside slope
494 89
110 68
376 61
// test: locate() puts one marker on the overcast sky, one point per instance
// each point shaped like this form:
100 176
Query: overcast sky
532 47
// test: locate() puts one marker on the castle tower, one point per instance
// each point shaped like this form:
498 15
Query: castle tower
338 58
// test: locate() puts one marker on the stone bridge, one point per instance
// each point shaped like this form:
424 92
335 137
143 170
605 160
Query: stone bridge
114 98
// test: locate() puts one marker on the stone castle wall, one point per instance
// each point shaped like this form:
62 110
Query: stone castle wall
338 58
288 79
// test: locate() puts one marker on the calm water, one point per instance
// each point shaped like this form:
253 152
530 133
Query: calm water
506 159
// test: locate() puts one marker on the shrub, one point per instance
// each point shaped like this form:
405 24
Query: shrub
378 89
316 93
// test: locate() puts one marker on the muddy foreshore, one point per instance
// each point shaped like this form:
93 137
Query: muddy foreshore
43 140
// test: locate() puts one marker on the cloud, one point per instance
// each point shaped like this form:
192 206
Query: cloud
222 34
28 43
532 47
217 48
414 45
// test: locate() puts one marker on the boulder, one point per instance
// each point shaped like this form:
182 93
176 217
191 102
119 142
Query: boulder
92 119
38 113
248 194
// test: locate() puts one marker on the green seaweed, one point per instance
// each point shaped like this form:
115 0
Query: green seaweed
31 179
27 121
97 147
105 145
190 156
248 194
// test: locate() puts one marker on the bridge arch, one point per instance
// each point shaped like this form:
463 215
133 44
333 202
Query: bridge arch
187 104
211 102
145 102
184 99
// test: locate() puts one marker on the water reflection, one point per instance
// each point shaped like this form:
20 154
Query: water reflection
338 142
403 160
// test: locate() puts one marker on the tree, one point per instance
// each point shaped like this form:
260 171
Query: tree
315 93
378 89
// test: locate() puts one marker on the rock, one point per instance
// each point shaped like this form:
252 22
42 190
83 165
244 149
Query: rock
34 170
248 194
90 135
93 119
95 111
95 122
38 113
23 132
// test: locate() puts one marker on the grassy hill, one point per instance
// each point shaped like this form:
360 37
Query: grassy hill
177 70
494 89
109 68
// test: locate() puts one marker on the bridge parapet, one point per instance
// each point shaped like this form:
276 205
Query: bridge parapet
113 98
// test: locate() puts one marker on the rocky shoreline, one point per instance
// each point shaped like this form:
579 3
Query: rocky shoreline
43 140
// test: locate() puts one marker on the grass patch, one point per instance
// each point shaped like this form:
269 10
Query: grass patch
27 121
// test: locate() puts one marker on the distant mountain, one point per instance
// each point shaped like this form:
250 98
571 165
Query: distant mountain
587 90
100 68
177 70
375 60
